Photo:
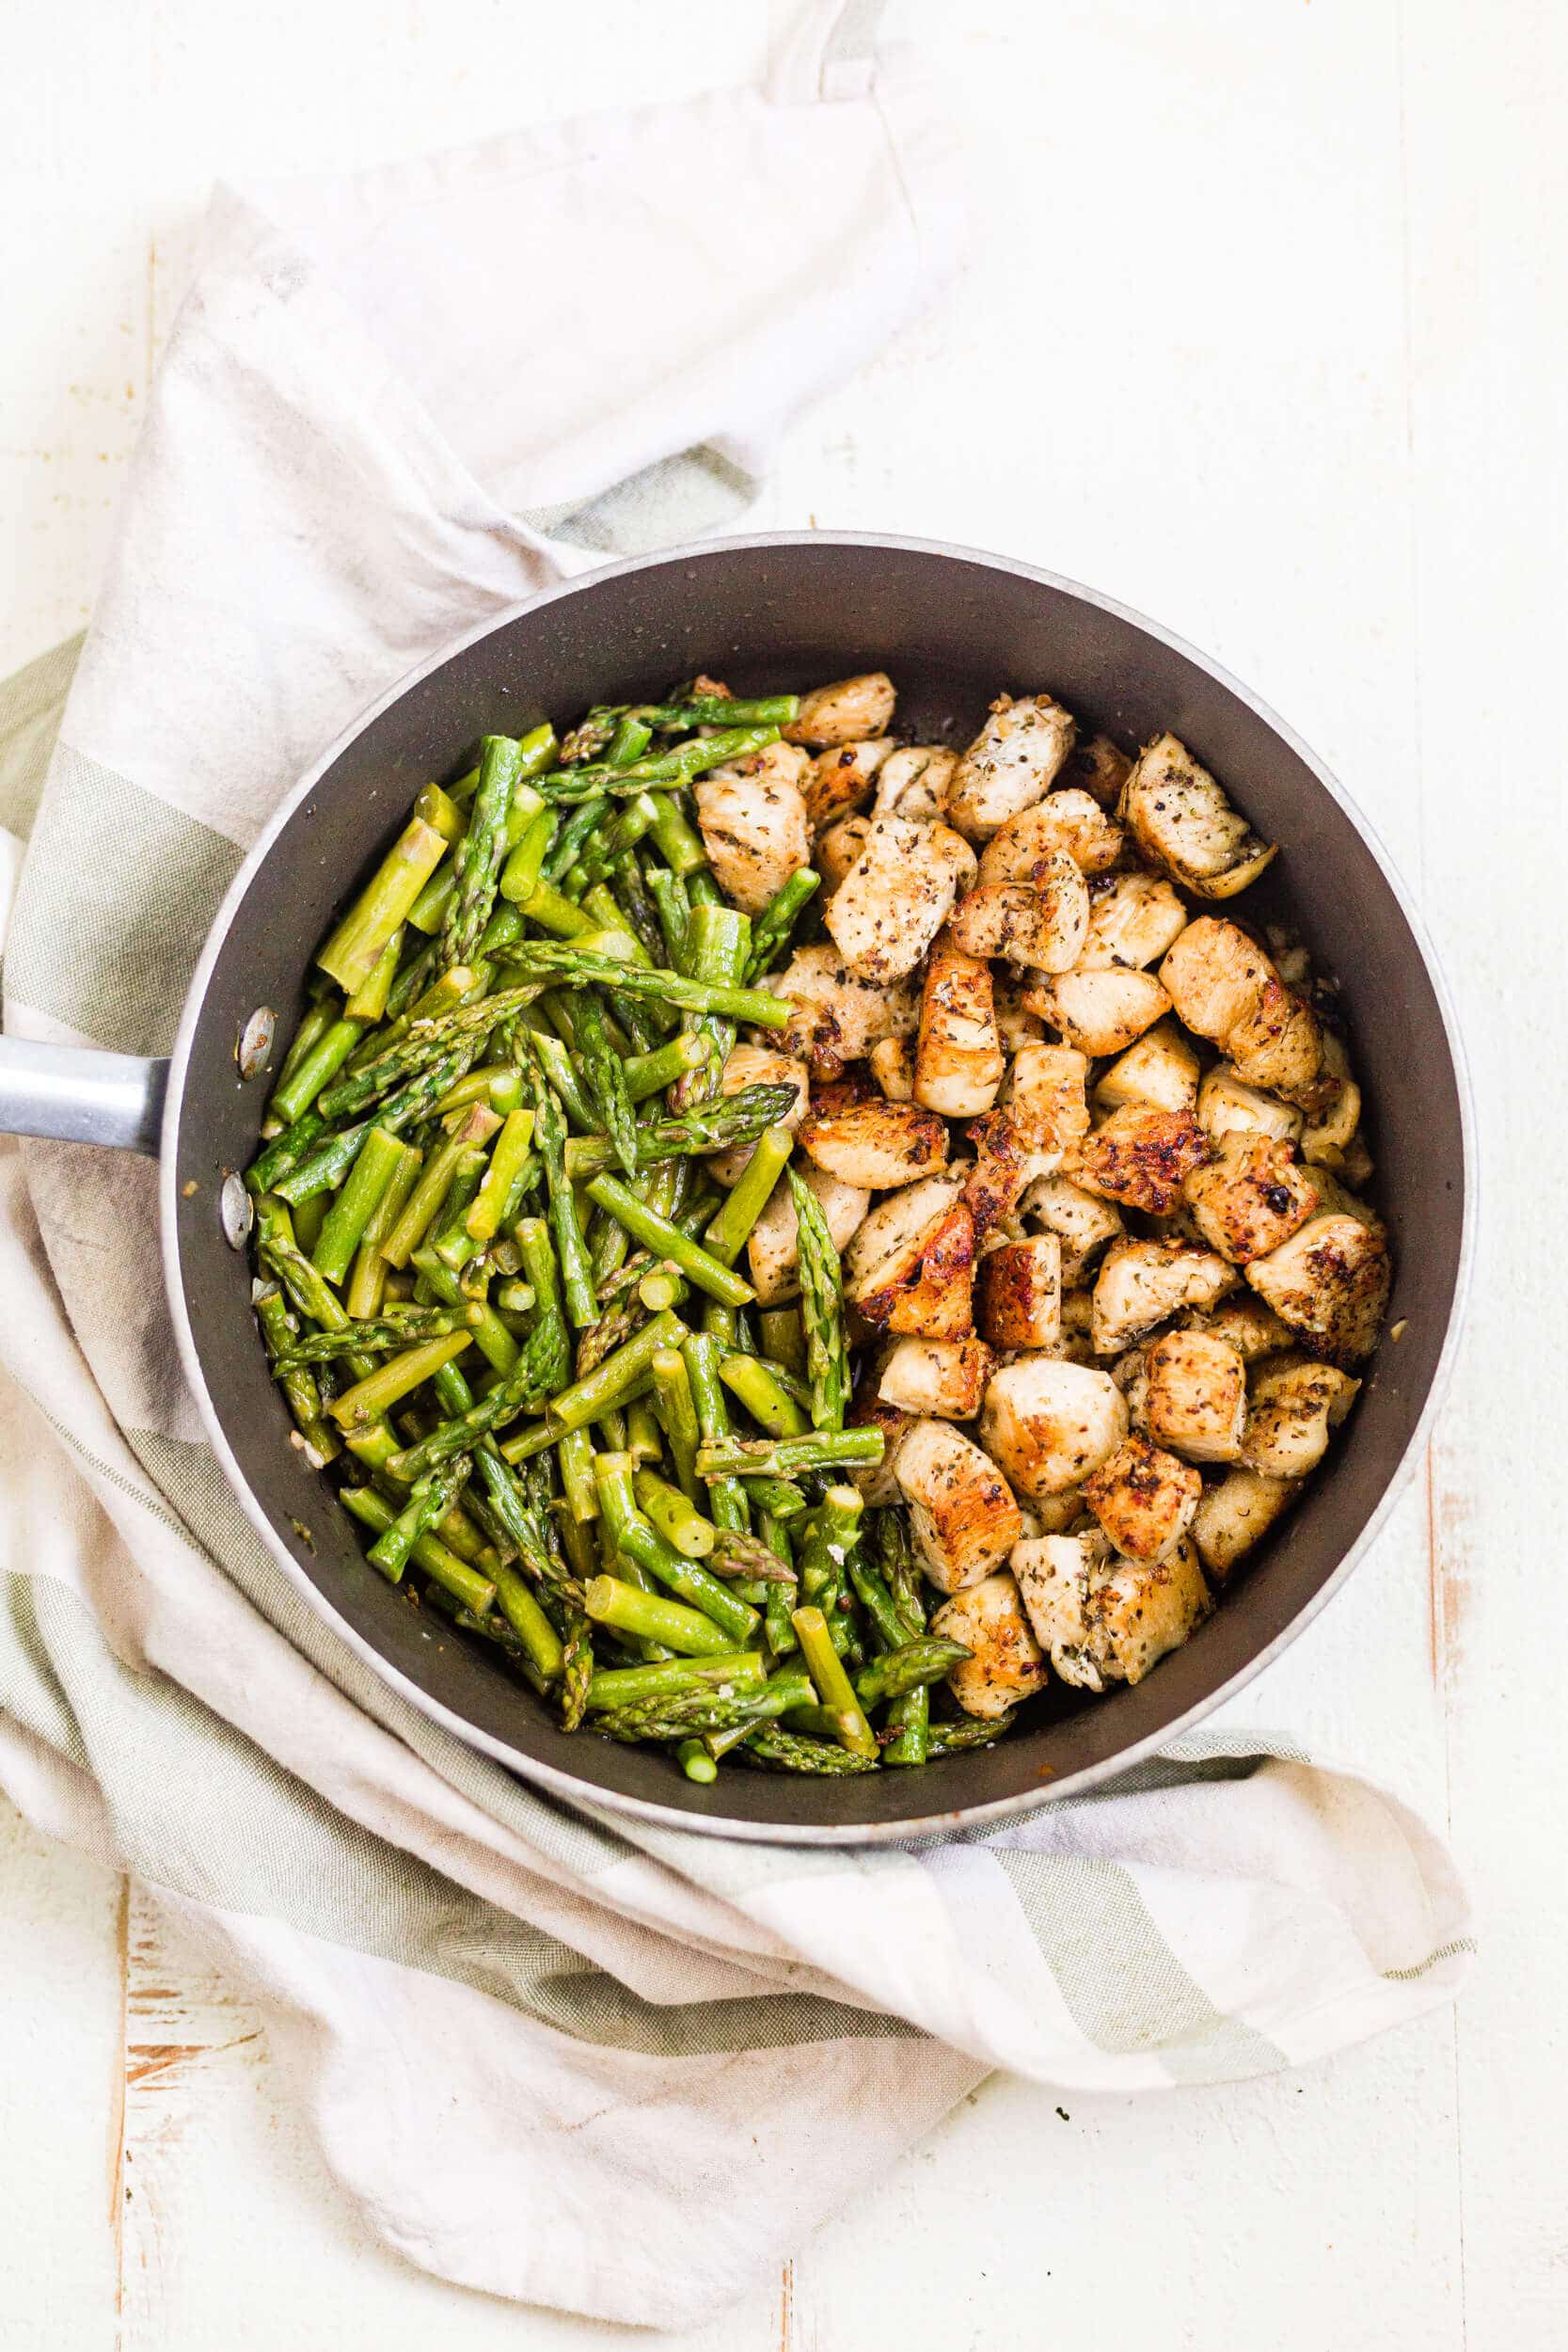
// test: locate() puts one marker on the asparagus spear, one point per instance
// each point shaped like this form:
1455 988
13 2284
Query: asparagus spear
403 1326
350 954
476 860
715 1126
785 1457
772 929
550 961
821 1309
783 1752
662 768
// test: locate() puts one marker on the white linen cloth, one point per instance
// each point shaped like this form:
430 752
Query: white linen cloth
542 2048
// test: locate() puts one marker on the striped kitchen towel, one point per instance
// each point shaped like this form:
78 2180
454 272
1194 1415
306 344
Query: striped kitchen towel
541 2046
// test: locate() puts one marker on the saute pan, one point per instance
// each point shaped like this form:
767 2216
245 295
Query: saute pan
771 613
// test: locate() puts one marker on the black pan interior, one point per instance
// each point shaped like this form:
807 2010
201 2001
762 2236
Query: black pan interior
953 631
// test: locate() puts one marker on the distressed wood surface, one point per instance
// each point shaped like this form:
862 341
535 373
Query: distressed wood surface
1262 332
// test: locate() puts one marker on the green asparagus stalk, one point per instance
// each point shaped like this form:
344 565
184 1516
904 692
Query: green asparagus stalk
637 1540
673 1516
787 1457
659 1234
716 1126
728 1503
432 1497
821 1309
663 767
298 1088
375 1166
777 1497
369 1000
969 1731
493 1340
350 954
476 860
379 1391
367 1283
511 1150
577 1276
783 1752
378 1335
731 1228
604 1081
914 1666
626 1608
771 933
764 1395
435 1559
548 961
634 1686
294 1375
833 1686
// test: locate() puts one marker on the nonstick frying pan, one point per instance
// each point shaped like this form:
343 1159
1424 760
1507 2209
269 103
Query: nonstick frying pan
775 613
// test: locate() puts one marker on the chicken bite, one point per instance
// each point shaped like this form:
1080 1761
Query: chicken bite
1101 1618
1161 1070
875 1145
1069 824
958 1064
1012 763
1050 1424
1330 1283
962 1518
755 833
1143 1498
1250 1197
851 706
1135 921
1141 1156
1225 987
1182 822
1082 1221
897 896
838 850
1142 1283
942 1379
1017 1293
1227 1105
1037 926
1294 1404
912 782
1006 1665
1099 1011
1236 1515
1098 767
836 1018
1027 1135
915 1252
842 779
1244 1323
1195 1398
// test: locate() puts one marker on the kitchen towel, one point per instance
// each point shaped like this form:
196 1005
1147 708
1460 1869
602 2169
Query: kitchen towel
509 2018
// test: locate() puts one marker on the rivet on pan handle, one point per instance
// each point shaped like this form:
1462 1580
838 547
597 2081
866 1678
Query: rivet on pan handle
77 1095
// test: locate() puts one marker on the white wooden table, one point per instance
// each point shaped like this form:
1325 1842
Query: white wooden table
1264 332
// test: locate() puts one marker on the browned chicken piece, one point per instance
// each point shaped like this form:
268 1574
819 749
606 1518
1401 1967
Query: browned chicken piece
849 707
1011 764
892 1061
867 1410
1048 1424
940 1303
1104 1619
1098 767
1215 974
837 1018
1143 1283
1069 824
962 1518
1294 1404
1195 1398
1244 1323
875 1145
944 1379
1161 1069
755 1066
1135 920
1141 1156
1099 1013
1007 1664
842 779
1250 1197
1330 1283
1238 1514
897 896
1039 926
1143 1498
755 833
1225 987
1082 1221
1330 1133
913 781
838 850
1184 823
772 1253
915 1252
1017 1293
1227 1105
958 1063
1028 1135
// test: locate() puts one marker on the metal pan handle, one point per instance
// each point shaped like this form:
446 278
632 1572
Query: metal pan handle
75 1095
